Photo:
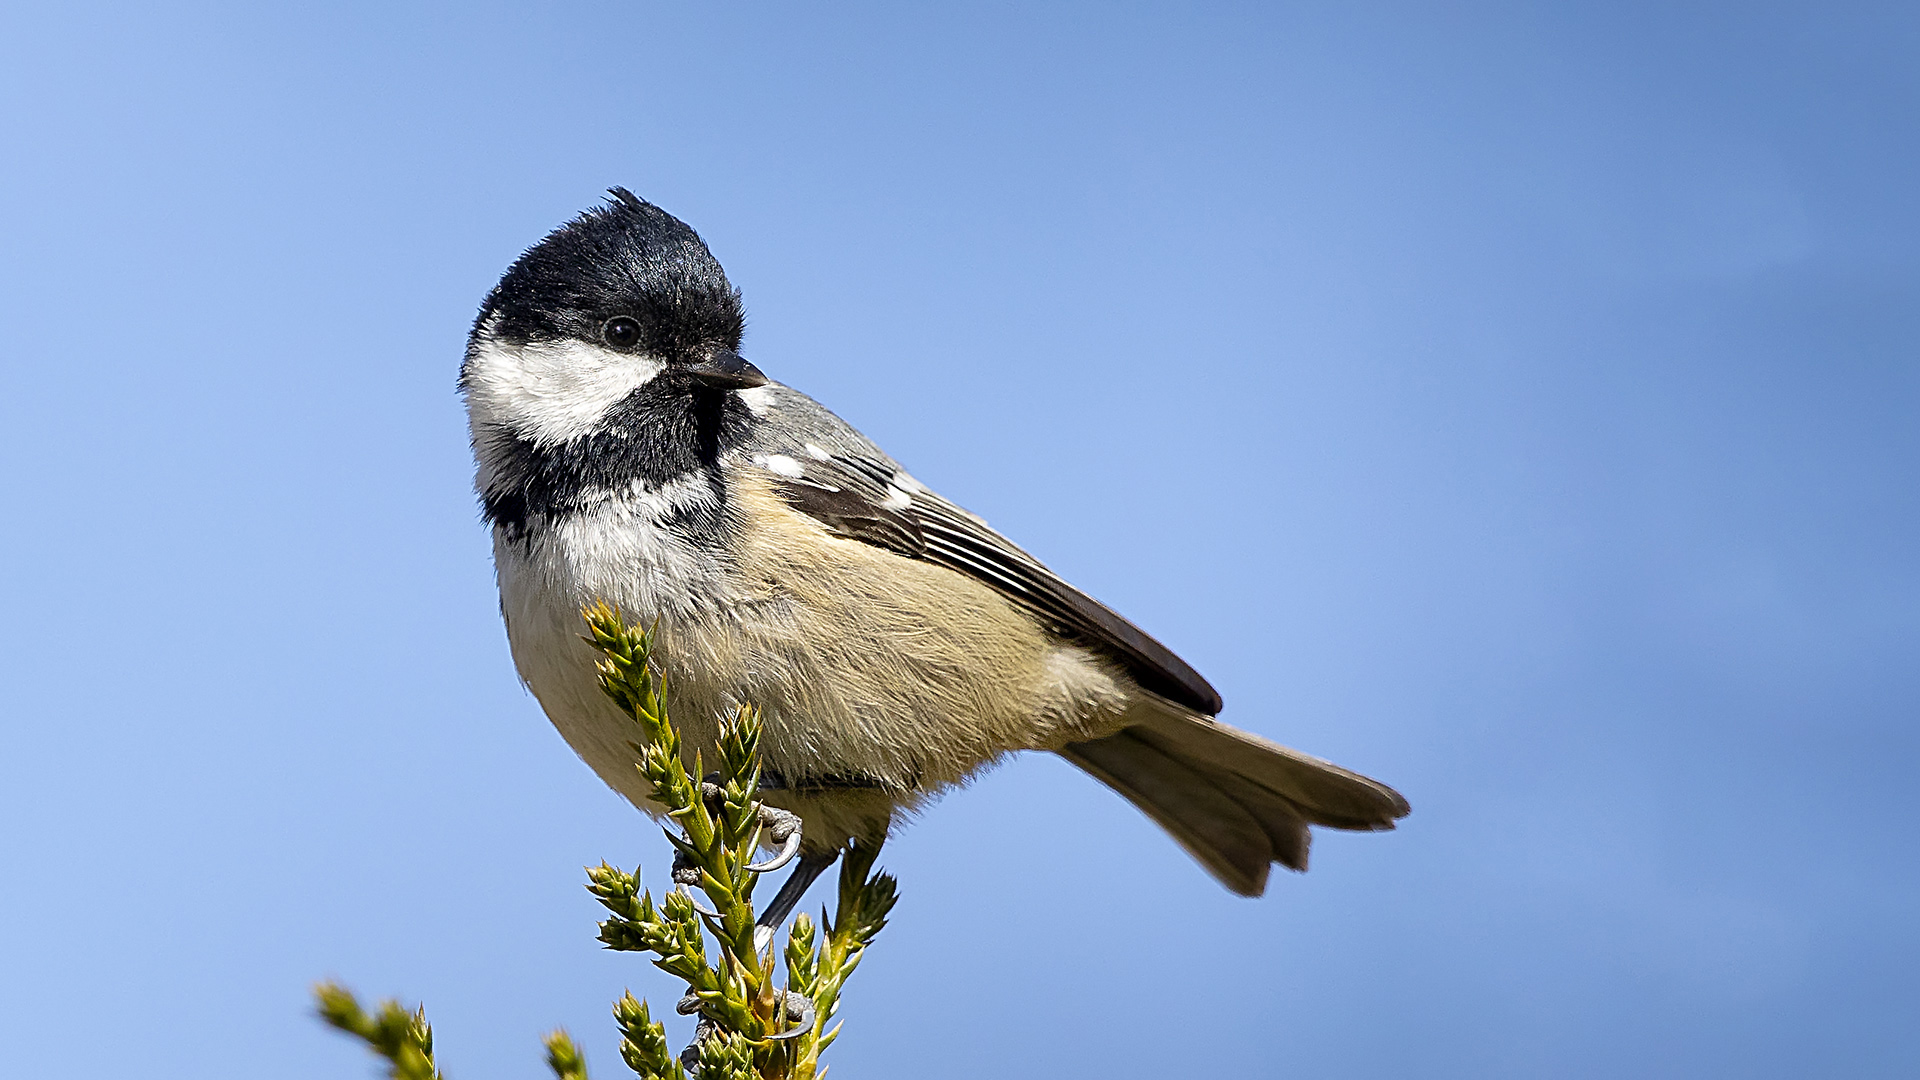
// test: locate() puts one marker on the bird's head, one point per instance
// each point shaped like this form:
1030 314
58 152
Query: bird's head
619 297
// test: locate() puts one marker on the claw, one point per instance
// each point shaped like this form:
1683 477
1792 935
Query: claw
788 849
783 828
801 1010
697 905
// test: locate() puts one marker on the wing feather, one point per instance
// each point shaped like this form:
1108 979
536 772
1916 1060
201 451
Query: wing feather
855 490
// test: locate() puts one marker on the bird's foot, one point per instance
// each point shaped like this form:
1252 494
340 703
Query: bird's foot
686 878
799 1013
797 1009
783 828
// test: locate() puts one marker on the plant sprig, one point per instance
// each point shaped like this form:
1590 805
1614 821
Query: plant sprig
746 1019
403 1038
736 990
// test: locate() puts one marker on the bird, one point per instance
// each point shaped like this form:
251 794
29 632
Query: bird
895 645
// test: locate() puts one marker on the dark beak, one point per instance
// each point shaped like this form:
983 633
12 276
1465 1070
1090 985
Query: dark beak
727 371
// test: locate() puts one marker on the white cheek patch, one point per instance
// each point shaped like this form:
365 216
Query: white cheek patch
550 392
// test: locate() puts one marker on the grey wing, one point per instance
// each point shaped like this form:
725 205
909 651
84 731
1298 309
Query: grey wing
834 474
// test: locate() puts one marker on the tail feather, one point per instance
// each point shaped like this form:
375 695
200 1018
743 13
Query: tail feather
1214 829
1281 820
1236 802
1330 795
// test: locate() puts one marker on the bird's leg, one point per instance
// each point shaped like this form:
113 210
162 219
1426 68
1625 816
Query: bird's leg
801 1012
690 1057
782 827
800 1009
810 866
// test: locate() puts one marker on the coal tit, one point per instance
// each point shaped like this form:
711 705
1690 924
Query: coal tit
895 643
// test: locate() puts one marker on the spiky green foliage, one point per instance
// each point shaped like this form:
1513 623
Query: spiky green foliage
564 1058
865 900
403 1038
736 989
643 1041
747 1030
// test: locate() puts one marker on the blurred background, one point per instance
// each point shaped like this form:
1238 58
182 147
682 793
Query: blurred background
1514 402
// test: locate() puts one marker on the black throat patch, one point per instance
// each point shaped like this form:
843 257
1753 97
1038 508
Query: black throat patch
669 431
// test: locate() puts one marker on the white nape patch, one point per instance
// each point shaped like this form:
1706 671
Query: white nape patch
907 483
896 499
817 454
550 392
782 464
759 400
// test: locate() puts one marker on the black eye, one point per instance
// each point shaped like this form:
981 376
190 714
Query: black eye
621 332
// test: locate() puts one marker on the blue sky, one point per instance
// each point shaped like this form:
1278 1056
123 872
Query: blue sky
1516 403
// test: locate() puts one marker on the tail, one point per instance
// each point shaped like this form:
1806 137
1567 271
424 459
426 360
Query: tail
1235 801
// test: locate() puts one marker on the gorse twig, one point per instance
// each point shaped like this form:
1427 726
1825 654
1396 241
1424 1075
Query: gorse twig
749 1027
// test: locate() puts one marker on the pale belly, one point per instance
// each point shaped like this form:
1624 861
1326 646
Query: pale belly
882 680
